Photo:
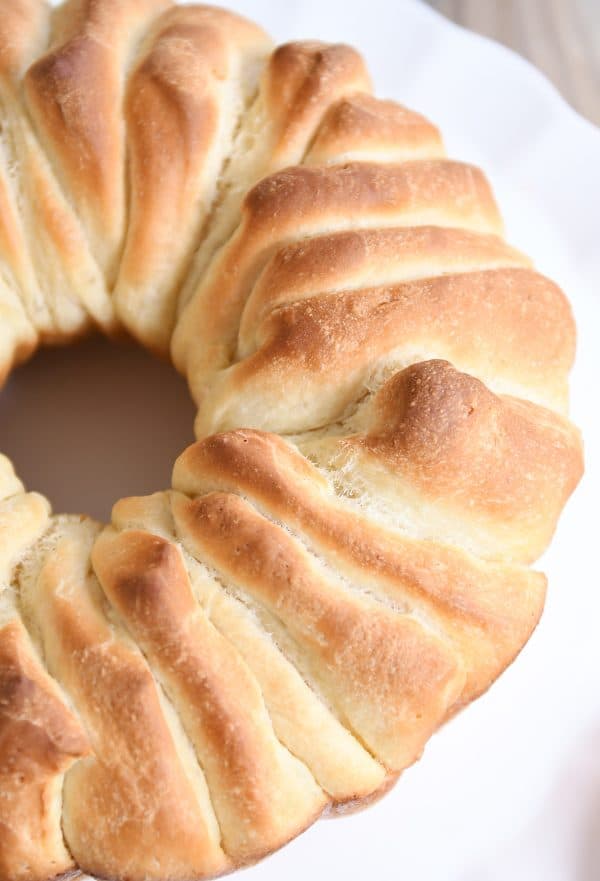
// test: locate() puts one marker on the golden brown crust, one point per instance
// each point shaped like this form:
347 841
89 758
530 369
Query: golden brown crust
298 84
391 679
181 110
489 609
364 127
301 81
261 794
136 789
301 721
318 355
40 739
74 94
502 466
310 201
60 283
304 197
327 313
366 258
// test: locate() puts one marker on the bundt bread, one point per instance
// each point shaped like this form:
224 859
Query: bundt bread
342 560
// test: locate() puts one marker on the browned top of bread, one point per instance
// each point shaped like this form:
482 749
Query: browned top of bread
446 580
360 126
40 739
303 79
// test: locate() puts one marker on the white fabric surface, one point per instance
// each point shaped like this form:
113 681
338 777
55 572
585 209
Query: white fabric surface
510 790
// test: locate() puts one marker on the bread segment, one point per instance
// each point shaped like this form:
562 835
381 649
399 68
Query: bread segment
361 127
74 93
301 720
40 736
329 314
300 82
183 102
141 785
60 284
390 680
316 358
301 202
487 609
362 259
445 458
261 794
40 739
24 28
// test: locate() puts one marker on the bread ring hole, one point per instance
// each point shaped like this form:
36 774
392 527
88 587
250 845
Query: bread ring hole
89 423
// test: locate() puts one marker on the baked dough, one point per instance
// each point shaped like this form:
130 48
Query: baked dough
342 560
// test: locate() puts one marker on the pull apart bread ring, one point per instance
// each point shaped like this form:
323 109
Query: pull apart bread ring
342 560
